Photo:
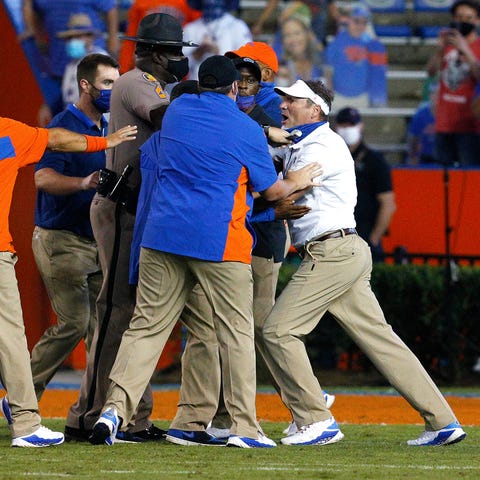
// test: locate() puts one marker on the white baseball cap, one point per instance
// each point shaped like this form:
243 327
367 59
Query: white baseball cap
301 90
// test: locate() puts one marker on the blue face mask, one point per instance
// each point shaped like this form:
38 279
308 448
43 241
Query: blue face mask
244 103
212 9
102 103
76 48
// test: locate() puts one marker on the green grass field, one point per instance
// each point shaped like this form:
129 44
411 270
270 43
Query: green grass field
373 452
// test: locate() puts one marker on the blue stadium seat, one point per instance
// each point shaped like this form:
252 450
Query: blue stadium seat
432 6
390 7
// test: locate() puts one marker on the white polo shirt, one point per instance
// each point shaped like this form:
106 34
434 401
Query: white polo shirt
333 203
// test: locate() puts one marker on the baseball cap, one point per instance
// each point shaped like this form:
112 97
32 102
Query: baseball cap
247 62
217 71
78 24
258 51
301 90
360 11
349 115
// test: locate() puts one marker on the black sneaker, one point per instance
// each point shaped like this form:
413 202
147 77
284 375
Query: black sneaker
76 434
150 434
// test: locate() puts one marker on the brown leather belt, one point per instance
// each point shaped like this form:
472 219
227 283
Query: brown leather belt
342 232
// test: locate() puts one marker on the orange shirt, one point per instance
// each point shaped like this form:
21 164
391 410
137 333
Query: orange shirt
177 8
20 145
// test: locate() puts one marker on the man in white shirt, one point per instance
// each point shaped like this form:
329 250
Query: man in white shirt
335 276
215 32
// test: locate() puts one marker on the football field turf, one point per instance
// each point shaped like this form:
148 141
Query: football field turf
367 452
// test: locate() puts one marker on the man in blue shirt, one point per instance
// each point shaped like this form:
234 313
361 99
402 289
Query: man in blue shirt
267 60
212 156
52 17
63 244
356 65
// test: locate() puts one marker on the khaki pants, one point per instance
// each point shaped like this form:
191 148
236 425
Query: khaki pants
72 276
335 276
165 283
113 228
265 276
201 375
15 370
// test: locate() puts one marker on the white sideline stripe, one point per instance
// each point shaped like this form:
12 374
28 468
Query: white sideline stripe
44 474
324 466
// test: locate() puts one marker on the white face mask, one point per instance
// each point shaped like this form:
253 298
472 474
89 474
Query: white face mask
282 82
351 135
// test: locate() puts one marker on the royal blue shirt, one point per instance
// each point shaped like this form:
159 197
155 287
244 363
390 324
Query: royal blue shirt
359 65
70 212
211 156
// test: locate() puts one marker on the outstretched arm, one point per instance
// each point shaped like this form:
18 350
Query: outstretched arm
62 140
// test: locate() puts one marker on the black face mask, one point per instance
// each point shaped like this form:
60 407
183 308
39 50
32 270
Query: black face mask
178 68
464 28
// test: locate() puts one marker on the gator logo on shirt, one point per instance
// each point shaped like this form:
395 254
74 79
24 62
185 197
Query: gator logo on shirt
158 89
7 150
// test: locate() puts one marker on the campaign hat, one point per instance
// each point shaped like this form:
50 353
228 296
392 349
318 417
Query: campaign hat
160 29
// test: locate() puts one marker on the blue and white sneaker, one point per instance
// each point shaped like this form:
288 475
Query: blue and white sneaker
318 433
221 433
262 441
5 409
41 437
193 438
105 428
292 428
448 435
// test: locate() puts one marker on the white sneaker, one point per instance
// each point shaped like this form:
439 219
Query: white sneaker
262 441
41 437
105 428
319 433
292 428
452 433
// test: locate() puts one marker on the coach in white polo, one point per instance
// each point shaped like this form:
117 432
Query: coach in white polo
335 276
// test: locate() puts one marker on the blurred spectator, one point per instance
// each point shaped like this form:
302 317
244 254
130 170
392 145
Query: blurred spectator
44 19
139 9
376 200
267 60
80 37
320 10
457 59
356 64
301 51
283 78
421 131
216 31
476 107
